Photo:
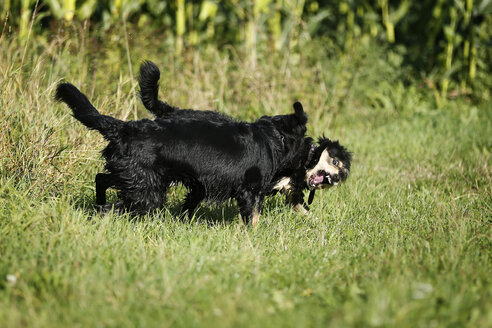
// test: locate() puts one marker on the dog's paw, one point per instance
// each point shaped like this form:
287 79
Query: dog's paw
106 208
301 209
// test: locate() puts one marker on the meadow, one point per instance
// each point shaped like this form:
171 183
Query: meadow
405 242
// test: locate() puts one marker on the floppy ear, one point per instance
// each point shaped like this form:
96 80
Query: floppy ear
299 112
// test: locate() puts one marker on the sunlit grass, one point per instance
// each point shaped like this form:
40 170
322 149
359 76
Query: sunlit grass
405 242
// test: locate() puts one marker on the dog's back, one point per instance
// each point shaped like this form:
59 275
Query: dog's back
196 151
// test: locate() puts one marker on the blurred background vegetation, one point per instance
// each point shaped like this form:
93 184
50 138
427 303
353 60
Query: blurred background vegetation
446 44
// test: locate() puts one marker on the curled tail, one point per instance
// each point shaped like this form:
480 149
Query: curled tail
86 113
148 80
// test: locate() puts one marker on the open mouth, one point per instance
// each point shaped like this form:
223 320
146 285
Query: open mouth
322 178
317 179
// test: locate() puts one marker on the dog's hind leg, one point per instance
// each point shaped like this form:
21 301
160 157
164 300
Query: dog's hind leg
104 208
250 199
103 182
193 198
144 200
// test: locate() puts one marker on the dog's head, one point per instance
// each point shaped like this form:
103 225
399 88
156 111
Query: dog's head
328 164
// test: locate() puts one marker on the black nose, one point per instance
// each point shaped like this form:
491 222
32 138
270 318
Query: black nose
336 178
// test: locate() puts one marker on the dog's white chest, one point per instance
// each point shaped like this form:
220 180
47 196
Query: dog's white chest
283 184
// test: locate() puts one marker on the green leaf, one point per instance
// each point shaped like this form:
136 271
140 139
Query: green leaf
55 8
402 10
314 22
208 10
87 9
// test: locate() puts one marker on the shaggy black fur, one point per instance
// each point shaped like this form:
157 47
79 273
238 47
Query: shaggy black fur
310 154
214 160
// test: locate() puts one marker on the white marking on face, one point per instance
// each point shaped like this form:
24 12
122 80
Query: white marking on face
283 184
325 164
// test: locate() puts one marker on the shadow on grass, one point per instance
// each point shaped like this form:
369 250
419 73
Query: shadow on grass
208 212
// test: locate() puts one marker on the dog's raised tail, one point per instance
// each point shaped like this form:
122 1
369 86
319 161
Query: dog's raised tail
148 80
85 112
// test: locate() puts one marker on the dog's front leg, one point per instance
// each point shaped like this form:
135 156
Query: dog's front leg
296 200
250 206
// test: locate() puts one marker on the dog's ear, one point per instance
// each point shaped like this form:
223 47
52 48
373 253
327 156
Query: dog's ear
324 140
299 112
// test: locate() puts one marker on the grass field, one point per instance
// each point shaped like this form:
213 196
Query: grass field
406 242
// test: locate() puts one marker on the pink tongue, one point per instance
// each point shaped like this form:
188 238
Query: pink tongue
318 179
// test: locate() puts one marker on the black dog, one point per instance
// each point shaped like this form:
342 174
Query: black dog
214 160
322 165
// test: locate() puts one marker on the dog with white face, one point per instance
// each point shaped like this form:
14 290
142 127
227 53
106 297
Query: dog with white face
332 167
327 165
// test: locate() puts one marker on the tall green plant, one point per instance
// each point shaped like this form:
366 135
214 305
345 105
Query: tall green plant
445 40
25 17
62 9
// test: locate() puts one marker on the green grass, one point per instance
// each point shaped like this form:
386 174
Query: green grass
405 242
